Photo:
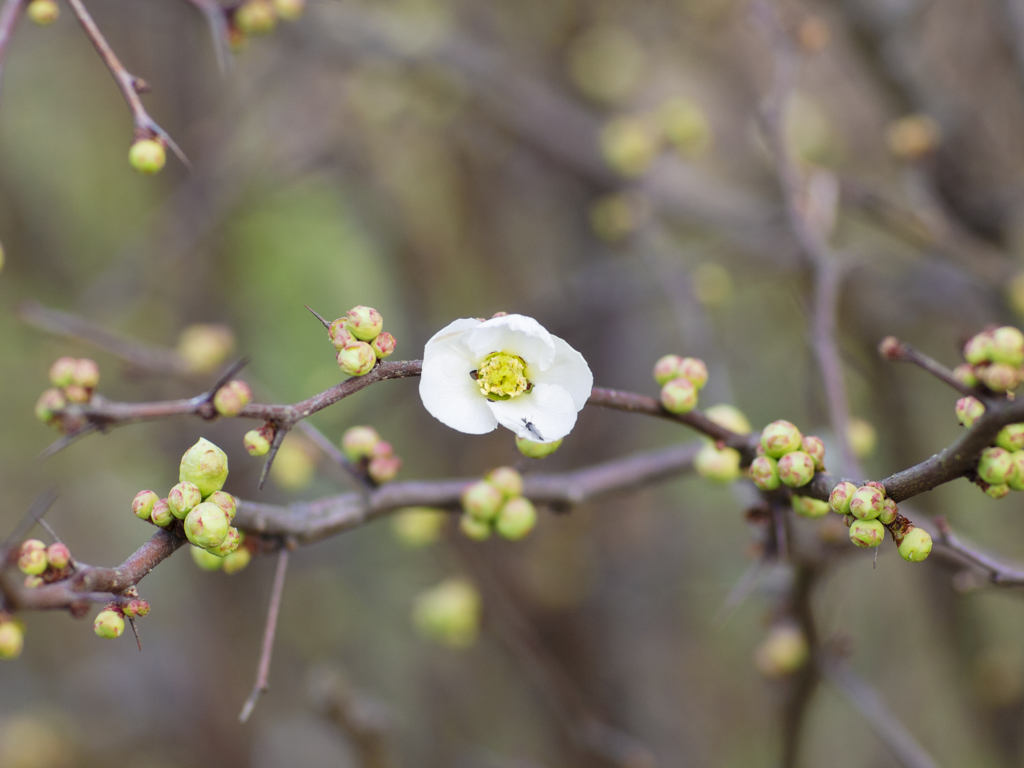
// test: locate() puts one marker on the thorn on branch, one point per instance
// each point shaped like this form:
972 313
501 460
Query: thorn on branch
317 315
274 447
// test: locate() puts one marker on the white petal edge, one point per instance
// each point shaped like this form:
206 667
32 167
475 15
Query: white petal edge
548 409
568 371
516 334
451 336
447 390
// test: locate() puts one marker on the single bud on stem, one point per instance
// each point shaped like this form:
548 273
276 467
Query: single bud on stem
147 156
365 323
58 555
764 472
969 410
916 545
796 469
357 359
142 504
867 502
109 623
384 345
12 637
43 12
779 438
161 514
232 398
357 443
867 533
257 441
532 450
32 557
839 499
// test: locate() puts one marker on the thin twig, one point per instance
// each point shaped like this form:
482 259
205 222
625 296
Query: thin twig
263 673
893 349
216 19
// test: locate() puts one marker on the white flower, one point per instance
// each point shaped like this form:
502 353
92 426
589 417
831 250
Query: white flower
508 370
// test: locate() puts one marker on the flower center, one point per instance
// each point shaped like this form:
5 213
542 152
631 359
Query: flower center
502 376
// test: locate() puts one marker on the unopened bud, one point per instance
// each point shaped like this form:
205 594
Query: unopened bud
257 441
808 507
12 636
358 442
969 410
532 450
997 491
475 528
729 417
365 323
230 544
889 512
764 472
449 613
135 607
693 370
666 369
995 466
516 519
225 501
867 533
33 582
913 137
206 465
507 480
718 465
978 349
357 359
237 561
1016 478
32 557
629 145
147 156
76 394
48 404
418 526
206 560
815 448
290 10
796 469
43 12
890 348
783 652
1008 346
916 545
62 372
207 525
256 17
182 498
383 345
1011 437
679 396
482 500
232 398
383 469
839 499
87 373
58 555
867 502
109 624
779 438
340 335
204 347
966 375
161 514
1000 377
142 504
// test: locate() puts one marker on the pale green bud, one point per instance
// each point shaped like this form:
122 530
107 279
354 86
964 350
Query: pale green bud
969 410
161 514
256 17
532 450
147 156
225 501
204 347
1000 377
516 519
58 555
889 512
995 466
48 404
916 545
808 507
206 465
1011 437
482 500
109 624
1008 346
966 375
237 561
867 533
815 448
867 502
475 528
1016 478
861 437
796 469
32 557
142 504
978 349
256 442
384 345
182 498
87 373
679 396
62 372
205 559
729 417
358 442
365 323
783 652
232 398
841 496
507 480
449 613
12 636
779 438
666 369
997 491
357 359
207 525
718 465
418 526
42 12
764 472
231 543
693 370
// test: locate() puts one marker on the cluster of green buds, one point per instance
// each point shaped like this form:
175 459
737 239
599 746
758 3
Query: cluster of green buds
783 651
372 455
994 360
786 457
74 381
109 623
230 399
360 341
630 143
197 500
680 379
12 637
497 503
1001 466
43 564
869 512
449 613
720 463
258 18
43 12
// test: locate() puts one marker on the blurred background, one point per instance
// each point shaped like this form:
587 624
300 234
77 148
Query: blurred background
597 165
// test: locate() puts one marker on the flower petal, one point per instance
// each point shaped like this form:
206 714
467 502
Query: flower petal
515 334
543 416
568 371
447 390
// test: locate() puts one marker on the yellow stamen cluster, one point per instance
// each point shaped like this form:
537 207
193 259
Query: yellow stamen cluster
502 376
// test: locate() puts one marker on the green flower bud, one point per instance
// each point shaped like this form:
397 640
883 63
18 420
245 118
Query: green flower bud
384 345
482 500
383 469
1016 478
109 624
207 525
225 501
365 323
779 438
1000 377
231 543
358 442
861 437
12 636
76 394
33 582
796 469
867 502
997 491
357 359
449 613
629 145
340 335
58 555
532 450
679 396
87 373
418 526
889 512
685 125
62 372
764 472
206 465
182 498
237 561
978 349
43 12
729 417
995 466
147 156
232 398
142 504
475 528
204 347
507 480
32 557
969 410
808 507
783 652
966 375
290 10
206 560
916 545
1011 437
1008 346
694 370
666 369
718 465
867 533
516 519
135 607
256 442
48 404
815 448
839 499
256 17
161 514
